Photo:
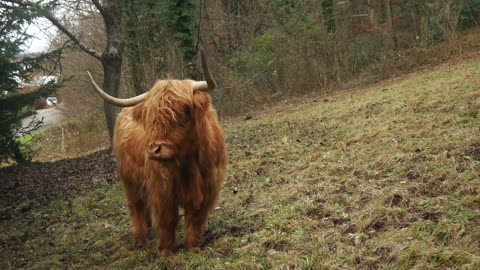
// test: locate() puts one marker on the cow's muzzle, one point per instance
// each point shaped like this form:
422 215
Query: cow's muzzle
161 151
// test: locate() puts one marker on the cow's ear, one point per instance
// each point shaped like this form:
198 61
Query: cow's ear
201 101
138 111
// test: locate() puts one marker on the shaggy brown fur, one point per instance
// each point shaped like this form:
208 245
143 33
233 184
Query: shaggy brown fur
189 170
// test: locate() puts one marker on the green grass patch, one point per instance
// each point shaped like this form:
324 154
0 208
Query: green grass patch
25 139
385 177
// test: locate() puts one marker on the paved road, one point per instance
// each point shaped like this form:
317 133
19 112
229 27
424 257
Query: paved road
50 116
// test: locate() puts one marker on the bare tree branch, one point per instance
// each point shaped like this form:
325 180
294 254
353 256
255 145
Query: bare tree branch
74 38
57 62
48 15
99 7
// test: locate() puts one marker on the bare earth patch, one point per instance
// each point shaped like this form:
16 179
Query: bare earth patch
27 186
473 150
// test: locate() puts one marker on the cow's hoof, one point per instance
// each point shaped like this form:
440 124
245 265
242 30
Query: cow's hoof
141 240
140 243
194 249
166 252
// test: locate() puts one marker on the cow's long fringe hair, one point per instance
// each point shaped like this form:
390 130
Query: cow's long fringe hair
163 103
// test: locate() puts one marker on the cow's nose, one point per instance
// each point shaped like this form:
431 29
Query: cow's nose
161 151
154 151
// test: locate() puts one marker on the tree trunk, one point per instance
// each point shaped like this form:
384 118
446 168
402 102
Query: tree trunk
389 20
111 76
328 13
133 46
371 13
343 19
112 58
423 23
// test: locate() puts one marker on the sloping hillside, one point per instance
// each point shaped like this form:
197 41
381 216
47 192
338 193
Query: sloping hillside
379 178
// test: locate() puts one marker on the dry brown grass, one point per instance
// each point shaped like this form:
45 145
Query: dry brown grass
71 138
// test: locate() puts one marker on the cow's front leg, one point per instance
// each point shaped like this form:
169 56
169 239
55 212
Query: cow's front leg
165 224
195 221
138 212
166 240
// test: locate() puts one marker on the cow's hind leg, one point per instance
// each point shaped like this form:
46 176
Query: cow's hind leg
195 221
137 209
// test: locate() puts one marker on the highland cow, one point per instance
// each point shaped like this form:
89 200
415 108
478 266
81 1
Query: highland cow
171 153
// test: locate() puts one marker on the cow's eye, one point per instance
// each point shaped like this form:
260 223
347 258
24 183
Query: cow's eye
183 117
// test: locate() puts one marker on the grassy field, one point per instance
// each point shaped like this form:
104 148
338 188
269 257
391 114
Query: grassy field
68 138
385 177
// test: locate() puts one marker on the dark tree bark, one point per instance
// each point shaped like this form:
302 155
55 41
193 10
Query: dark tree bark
343 19
371 13
389 20
133 52
112 56
328 13
423 10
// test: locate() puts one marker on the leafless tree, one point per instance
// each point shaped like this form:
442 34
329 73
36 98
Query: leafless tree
111 57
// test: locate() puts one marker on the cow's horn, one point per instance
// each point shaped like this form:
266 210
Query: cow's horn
210 83
127 102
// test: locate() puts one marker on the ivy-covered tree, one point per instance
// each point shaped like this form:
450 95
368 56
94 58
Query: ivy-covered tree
152 29
328 12
181 20
15 67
